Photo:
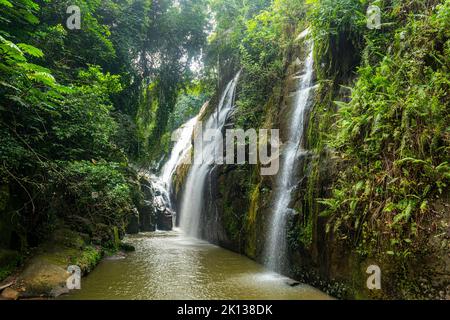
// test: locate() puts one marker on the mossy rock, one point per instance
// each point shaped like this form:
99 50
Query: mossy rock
42 278
126 247
88 259
45 275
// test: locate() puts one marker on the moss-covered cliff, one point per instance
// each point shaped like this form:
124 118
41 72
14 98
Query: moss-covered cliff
374 188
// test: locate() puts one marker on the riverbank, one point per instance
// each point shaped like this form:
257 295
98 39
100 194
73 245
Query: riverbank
43 271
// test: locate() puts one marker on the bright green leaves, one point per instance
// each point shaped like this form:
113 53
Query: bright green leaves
16 64
18 11
99 82
393 133
11 50
6 3
338 27
261 41
97 191
442 17
33 51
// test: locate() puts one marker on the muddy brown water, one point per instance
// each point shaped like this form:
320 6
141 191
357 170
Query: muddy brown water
169 265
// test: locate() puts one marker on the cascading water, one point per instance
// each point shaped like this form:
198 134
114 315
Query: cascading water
179 151
276 242
161 186
193 195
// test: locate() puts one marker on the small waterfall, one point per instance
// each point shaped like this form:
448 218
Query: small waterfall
276 242
179 151
193 196
159 188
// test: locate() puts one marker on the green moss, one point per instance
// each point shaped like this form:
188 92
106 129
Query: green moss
67 247
88 258
253 210
231 223
116 237
306 233
250 222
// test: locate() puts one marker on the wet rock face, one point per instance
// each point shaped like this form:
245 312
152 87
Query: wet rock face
146 217
165 220
164 215
133 222
153 213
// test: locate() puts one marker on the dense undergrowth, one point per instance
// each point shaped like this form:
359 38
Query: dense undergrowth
78 106
75 111
392 138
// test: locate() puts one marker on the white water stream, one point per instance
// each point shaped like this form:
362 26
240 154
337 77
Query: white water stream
193 197
276 240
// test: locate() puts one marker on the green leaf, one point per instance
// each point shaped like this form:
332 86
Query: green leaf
29 17
6 3
2 83
31 50
43 77
10 46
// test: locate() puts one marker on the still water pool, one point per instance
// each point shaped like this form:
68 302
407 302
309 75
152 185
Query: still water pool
169 265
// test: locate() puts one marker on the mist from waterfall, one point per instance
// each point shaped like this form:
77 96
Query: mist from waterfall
276 240
193 196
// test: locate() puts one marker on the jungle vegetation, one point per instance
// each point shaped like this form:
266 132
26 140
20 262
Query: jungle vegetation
81 109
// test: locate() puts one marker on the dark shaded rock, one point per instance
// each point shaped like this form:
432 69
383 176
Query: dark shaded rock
59 290
133 222
102 234
165 220
146 189
126 247
146 217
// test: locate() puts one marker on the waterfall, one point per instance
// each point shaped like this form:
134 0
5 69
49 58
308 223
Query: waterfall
179 151
159 188
193 196
276 242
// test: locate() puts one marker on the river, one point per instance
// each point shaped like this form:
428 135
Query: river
171 266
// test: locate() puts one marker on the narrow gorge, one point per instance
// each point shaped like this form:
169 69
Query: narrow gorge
116 137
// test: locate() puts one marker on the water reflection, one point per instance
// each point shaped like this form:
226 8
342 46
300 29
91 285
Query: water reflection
169 265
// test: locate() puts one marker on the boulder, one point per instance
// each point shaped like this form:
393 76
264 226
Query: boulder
165 220
43 278
292 283
146 214
10 294
133 222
